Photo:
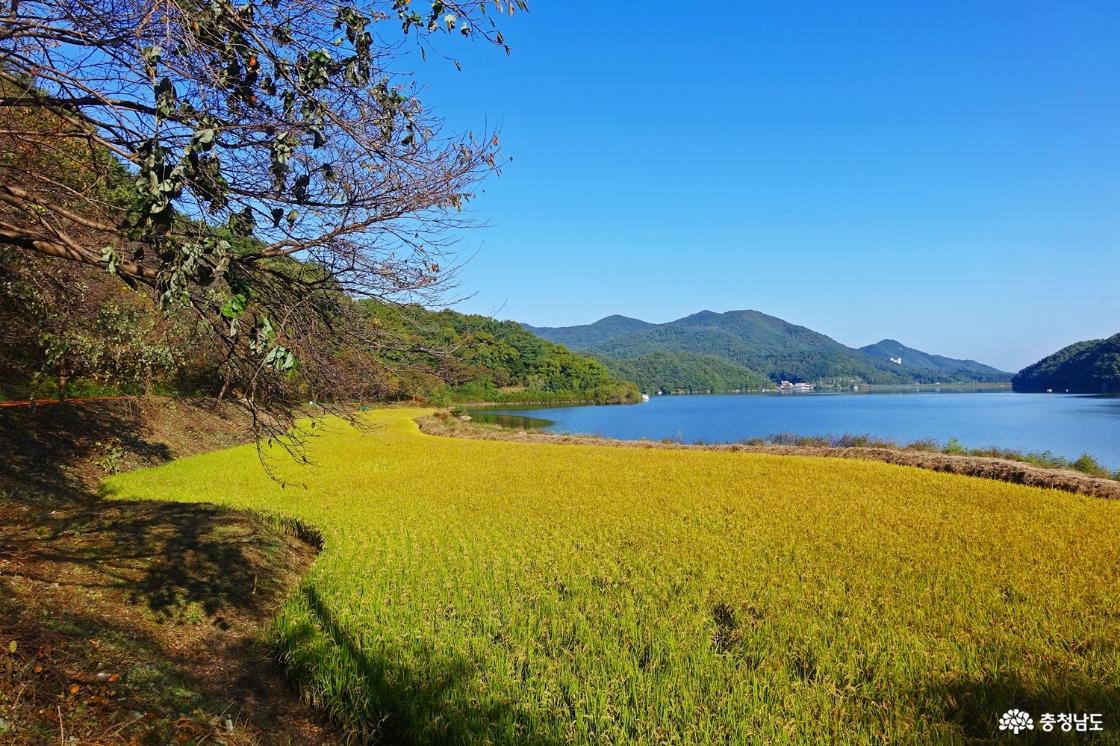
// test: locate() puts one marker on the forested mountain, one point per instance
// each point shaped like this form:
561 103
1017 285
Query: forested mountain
446 355
1089 367
686 373
583 337
76 330
923 362
769 347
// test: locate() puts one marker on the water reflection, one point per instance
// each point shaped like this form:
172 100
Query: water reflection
515 421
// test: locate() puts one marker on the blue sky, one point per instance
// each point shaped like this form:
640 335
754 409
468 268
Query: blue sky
945 174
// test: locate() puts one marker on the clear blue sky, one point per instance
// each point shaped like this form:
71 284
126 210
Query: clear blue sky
946 174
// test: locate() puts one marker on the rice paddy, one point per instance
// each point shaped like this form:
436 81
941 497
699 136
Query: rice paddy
474 591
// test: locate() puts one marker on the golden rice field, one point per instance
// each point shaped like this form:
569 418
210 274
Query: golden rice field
474 591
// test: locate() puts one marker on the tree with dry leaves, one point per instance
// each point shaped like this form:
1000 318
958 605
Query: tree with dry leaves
255 165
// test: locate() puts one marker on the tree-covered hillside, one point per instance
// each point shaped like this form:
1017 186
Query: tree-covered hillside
776 348
253 313
243 172
1089 367
927 368
75 330
583 337
449 356
766 345
686 373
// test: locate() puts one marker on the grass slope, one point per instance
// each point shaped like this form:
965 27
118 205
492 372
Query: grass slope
137 622
477 590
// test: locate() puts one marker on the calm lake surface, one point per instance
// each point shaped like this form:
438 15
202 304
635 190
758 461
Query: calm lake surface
1065 424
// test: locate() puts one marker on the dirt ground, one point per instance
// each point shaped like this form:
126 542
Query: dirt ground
137 622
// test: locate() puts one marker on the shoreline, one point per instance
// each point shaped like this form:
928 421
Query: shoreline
884 388
985 467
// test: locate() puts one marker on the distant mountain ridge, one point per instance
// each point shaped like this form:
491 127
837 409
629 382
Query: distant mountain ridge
577 337
1089 367
759 347
924 361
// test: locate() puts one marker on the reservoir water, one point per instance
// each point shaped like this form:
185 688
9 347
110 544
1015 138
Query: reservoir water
1065 424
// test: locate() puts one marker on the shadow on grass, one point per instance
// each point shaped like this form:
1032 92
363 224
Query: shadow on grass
173 593
411 697
974 705
167 556
59 670
170 599
45 447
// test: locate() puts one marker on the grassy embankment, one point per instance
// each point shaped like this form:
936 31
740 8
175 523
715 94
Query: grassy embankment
126 622
473 589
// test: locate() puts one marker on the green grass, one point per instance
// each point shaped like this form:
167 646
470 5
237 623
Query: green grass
473 591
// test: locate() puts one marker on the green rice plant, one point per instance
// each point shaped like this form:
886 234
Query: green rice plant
1089 465
954 446
482 591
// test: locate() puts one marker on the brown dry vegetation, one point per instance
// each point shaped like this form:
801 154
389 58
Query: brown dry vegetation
137 622
1003 470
